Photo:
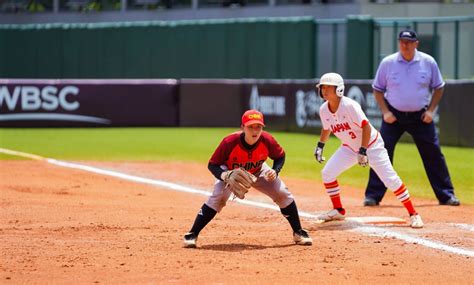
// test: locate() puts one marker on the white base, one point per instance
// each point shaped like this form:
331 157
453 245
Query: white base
371 220
376 220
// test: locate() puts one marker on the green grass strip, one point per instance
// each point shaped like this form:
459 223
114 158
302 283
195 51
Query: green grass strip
197 145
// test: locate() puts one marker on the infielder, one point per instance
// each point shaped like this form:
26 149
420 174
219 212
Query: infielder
238 163
361 143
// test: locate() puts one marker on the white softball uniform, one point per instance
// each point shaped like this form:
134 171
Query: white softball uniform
275 189
346 124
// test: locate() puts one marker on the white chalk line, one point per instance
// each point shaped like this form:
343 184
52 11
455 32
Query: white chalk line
21 154
364 229
466 227
380 232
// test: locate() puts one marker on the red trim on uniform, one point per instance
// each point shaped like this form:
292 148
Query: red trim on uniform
407 199
409 206
401 186
349 147
336 202
372 142
331 184
362 124
407 202
400 190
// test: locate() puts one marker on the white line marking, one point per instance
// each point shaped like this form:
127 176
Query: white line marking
186 189
464 226
133 178
368 230
21 154
380 232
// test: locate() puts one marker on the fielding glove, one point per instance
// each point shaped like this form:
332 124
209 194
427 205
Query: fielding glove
239 181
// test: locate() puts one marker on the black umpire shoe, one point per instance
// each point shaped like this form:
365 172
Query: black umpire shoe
453 201
369 202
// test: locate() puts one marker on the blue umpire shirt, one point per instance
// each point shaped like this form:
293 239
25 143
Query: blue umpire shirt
408 85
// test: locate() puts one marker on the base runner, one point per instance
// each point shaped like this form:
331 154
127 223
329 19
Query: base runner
361 143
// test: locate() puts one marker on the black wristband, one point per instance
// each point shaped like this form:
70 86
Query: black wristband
320 144
362 150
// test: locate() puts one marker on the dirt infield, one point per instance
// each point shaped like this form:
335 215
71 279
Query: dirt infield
61 225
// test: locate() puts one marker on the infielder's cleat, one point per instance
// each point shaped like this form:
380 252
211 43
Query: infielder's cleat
332 215
416 222
190 240
301 237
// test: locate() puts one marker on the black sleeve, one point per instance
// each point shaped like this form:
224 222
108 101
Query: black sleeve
278 164
215 169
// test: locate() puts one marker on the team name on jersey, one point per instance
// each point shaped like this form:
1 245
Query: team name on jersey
340 127
248 165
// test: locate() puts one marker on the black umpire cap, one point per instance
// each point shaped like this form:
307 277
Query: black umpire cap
408 34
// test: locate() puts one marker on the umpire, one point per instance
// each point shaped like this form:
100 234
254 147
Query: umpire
408 87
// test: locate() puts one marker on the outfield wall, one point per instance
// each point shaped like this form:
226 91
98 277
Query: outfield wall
288 105
85 103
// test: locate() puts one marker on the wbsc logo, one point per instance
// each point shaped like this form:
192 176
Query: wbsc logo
22 103
32 98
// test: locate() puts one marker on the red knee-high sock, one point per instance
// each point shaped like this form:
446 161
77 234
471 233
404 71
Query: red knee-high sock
404 197
332 188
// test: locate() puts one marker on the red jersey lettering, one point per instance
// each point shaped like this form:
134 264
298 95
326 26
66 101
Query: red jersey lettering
340 127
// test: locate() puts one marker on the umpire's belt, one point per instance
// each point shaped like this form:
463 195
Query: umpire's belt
415 114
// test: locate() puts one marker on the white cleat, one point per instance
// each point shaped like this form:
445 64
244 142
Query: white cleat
332 215
189 240
301 237
416 222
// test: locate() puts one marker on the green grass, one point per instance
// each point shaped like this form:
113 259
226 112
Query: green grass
197 144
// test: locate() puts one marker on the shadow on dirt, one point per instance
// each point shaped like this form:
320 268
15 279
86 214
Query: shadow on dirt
236 247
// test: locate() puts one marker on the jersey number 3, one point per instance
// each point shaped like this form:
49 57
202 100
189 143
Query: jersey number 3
353 135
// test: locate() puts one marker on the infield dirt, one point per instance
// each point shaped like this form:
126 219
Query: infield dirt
62 225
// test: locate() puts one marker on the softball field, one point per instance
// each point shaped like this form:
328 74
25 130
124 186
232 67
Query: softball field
122 222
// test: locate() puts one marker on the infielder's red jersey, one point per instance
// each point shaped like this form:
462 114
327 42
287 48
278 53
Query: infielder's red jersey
232 153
